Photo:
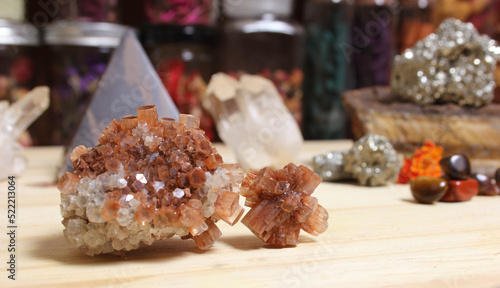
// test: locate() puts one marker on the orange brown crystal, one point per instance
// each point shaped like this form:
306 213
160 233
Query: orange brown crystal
68 182
281 204
161 174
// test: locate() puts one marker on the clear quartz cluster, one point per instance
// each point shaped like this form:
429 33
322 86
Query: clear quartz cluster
146 180
372 161
281 204
252 119
14 119
453 65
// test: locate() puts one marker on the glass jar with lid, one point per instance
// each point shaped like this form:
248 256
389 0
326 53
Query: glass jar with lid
18 43
179 12
260 37
78 55
183 58
18 70
90 11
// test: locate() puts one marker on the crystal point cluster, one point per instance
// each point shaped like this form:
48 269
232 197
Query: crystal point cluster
14 119
455 64
252 119
148 179
281 204
372 161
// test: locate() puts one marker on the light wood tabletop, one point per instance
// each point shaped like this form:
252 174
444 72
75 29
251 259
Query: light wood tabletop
377 237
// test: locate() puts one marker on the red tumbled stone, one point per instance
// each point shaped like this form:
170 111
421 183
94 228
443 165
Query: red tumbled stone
460 190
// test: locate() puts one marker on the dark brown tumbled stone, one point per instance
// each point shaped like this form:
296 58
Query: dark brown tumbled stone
486 186
428 190
497 177
456 167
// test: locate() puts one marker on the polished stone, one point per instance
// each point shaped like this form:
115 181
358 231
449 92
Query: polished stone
456 167
460 190
497 177
486 185
428 190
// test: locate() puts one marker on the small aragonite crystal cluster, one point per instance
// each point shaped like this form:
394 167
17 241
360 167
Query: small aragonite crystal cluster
281 204
146 180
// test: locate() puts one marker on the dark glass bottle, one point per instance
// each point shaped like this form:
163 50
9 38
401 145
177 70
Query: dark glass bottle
325 68
373 41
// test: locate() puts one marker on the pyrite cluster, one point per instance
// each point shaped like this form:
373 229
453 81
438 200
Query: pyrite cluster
372 161
453 65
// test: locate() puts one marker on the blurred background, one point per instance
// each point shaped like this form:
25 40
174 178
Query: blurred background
312 50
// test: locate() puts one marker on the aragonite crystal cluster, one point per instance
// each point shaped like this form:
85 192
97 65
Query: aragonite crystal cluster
281 204
455 64
372 161
146 180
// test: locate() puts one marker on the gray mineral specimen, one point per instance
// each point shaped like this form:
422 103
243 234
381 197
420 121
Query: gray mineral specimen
372 161
455 64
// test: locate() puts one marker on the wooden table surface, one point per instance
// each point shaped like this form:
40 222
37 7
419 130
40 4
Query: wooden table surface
378 237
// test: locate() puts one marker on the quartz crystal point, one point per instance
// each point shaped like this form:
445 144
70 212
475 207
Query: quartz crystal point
252 119
148 179
372 161
14 119
281 204
455 64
